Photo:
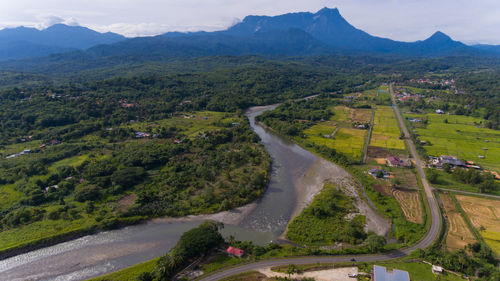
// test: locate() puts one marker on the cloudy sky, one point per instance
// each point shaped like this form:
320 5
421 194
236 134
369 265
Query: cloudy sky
470 21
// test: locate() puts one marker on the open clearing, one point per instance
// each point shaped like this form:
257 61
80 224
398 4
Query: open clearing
335 274
462 136
385 129
410 204
459 234
338 133
345 116
484 215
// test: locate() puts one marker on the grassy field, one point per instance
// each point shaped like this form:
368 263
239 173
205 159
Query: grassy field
42 229
385 130
338 133
460 137
129 273
459 234
9 196
344 116
484 215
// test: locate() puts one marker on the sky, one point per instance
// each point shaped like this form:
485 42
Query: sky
469 21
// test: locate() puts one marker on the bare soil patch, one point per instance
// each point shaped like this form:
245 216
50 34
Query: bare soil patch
126 202
384 189
378 152
335 274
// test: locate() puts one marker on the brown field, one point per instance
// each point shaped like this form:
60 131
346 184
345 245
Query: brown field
481 212
458 235
410 204
407 177
348 115
484 215
378 152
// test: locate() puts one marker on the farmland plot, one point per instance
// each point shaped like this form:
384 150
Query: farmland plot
458 235
484 215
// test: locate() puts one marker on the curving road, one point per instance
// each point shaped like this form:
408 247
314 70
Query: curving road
429 238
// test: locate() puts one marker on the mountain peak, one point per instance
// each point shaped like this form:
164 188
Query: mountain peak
439 36
328 11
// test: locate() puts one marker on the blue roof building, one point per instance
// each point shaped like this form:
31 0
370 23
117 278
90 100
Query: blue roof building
380 273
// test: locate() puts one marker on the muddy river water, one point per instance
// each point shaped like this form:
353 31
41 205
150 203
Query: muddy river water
93 255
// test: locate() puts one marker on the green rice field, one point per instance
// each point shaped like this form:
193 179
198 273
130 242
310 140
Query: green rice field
460 137
385 129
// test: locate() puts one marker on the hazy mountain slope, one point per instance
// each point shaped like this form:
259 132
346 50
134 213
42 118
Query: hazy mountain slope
23 42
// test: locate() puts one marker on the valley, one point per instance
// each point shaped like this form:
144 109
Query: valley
287 147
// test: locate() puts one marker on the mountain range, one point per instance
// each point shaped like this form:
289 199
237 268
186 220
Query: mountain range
23 42
293 34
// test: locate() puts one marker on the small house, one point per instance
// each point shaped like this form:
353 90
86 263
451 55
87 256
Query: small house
437 269
439 111
375 173
397 162
55 142
235 252
451 160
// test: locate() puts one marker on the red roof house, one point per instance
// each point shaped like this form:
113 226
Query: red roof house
235 252
397 162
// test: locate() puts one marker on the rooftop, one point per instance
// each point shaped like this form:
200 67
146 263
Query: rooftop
380 273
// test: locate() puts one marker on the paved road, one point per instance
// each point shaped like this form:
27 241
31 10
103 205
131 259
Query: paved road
435 212
424 243
470 193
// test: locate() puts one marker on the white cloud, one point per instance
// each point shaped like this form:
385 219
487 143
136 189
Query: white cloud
151 29
45 21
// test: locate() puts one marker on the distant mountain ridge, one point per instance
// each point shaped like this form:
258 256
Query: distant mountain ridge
293 34
24 42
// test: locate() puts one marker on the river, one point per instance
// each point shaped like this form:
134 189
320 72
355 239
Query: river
94 255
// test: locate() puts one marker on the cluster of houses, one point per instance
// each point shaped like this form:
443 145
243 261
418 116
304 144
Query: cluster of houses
352 97
404 96
391 161
140 135
444 82
27 151
453 161
51 143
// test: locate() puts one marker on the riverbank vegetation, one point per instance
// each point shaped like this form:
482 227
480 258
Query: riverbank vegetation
324 221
